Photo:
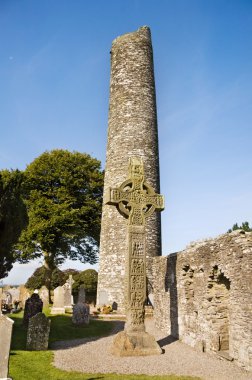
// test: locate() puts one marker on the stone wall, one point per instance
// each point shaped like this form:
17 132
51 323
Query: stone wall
203 295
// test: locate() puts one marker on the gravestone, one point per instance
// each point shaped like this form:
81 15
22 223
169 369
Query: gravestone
136 200
6 325
33 306
68 299
44 295
58 301
38 333
81 314
82 294
7 297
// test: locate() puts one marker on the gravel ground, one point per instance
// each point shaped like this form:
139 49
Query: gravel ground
93 356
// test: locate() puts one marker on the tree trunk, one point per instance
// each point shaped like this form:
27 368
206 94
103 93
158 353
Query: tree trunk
50 266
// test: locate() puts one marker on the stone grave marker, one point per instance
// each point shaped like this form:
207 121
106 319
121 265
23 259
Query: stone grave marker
58 301
81 314
82 294
136 200
33 306
68 299
43 294
6 325
38 332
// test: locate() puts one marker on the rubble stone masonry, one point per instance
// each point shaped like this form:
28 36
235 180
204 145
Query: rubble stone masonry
203 295
132 132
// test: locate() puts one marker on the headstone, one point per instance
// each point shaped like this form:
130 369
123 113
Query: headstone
68 299
7 297
58 301
5 342
136 200
44 295
67 296
33 306
82 294
81 314
132 131
38 333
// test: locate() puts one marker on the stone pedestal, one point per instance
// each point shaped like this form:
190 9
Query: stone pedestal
135 344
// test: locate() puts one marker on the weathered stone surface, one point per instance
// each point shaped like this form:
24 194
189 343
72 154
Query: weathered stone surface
135 344
82 294
68 301
5 342
33 306
58 301
44 295
38 332
132 132
135 200
203 295
81 314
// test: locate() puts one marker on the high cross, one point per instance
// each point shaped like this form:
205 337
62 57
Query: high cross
135 200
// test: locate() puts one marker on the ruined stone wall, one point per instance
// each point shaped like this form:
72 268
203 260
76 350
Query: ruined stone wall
132 132
203 295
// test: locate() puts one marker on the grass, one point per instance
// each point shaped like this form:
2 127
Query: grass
37 365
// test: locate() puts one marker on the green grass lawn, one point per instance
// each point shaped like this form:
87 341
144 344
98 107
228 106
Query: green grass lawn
37 365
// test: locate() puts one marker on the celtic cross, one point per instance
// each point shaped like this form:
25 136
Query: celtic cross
135 200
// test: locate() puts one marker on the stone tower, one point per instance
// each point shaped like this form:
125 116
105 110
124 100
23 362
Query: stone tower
132 132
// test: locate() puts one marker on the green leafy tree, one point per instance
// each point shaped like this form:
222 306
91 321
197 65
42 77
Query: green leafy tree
89 279
13 217
40 278
63 195
244 226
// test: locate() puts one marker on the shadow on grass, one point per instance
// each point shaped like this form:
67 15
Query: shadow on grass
63 333
96 329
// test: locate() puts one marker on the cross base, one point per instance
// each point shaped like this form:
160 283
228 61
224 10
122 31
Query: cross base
135 344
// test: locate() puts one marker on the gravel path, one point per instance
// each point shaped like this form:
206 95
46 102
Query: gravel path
92 355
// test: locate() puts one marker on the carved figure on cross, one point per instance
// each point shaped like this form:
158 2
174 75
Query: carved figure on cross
134 198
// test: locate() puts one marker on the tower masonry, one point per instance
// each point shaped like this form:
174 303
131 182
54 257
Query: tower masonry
132 132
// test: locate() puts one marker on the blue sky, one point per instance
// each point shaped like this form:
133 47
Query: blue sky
54 70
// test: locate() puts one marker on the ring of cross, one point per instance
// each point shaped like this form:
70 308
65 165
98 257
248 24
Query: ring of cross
135 198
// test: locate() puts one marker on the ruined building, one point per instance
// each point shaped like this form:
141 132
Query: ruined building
203 296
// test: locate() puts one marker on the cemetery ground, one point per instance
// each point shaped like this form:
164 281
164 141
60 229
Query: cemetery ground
38 365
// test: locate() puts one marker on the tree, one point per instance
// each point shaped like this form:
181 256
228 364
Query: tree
63 195
13 217
89 279
245 227
40 277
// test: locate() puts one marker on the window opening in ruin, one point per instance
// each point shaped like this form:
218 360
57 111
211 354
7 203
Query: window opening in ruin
218 297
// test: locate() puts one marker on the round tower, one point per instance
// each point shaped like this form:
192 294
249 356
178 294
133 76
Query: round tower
132 132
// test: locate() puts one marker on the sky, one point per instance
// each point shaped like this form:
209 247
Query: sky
54 93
